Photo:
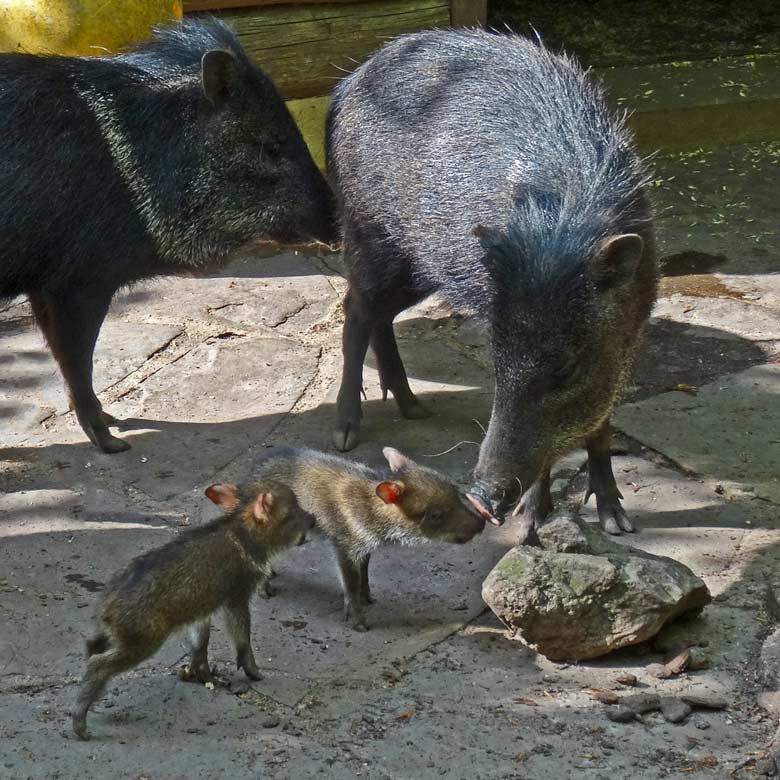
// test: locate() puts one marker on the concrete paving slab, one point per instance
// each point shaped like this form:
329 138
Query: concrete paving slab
195 415
717 316
31 378
725 431
251 292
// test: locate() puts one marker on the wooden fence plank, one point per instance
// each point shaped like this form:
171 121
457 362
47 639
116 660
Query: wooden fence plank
305 49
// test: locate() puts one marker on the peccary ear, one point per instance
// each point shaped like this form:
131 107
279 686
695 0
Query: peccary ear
390 492
262 507
396 460
490 238
218 75
617 259
223 495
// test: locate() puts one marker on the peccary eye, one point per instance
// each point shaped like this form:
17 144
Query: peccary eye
566 375
434 516
272 151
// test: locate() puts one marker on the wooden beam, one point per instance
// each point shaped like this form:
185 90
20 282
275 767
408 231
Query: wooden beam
306 49
469 13
195 6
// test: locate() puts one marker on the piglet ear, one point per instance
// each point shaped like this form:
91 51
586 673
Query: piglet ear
218 75
617 259
396 460
223 495
262 507
390 492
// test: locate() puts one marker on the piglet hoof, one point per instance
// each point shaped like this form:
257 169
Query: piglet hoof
250 669
80 727
361 627
346 438
269 591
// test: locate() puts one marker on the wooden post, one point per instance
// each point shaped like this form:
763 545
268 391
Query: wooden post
468 13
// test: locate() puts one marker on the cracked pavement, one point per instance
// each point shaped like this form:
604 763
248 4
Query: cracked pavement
207 372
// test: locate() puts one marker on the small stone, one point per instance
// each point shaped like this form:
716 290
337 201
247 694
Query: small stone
770 701
640 703
679 662
605 697
674 710
270 722
705 701
621 714
659 671
629 680
700 724
698 659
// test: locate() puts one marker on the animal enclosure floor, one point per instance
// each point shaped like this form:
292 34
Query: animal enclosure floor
208 372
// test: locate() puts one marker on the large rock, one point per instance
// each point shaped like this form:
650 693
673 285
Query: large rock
583 595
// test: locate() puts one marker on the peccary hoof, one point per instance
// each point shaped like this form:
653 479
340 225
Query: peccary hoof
112 445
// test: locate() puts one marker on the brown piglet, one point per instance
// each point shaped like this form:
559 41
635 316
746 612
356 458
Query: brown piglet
358 508
182 583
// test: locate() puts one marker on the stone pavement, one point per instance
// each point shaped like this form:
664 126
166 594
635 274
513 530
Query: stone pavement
208 372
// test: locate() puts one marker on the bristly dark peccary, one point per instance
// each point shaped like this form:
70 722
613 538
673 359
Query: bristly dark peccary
488 170
162 160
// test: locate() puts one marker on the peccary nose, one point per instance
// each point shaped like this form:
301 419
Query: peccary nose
479 497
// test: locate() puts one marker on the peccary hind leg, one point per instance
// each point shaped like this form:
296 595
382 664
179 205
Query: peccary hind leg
199 670
392 375
100 669
601 482
71 326
357 333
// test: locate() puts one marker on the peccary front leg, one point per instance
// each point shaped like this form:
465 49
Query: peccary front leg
357 333
601 481
537 504
71 326
392 375
238 625
365 588
351 577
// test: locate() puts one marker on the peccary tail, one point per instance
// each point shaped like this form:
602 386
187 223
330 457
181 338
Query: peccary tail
97 644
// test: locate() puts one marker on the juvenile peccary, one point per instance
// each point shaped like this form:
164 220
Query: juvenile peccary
163 160
487 169
359 508
188 579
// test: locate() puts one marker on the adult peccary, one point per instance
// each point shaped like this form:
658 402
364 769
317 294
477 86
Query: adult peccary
488 170
163 160
358 508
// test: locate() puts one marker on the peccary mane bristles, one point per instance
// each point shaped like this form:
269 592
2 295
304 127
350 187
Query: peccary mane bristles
564 207
184 44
